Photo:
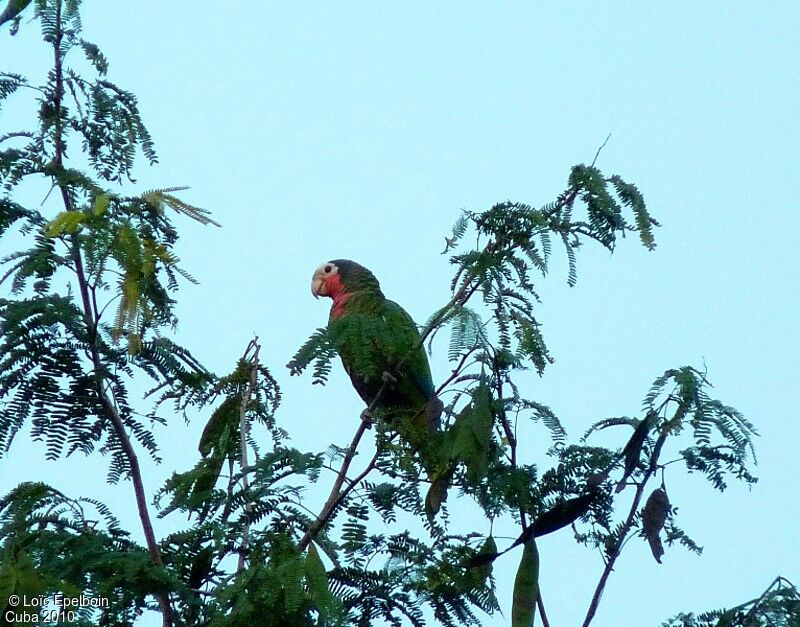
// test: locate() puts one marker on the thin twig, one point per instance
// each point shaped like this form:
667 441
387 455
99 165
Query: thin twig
542 613
456 371
243 431
597 154
337 494
626 527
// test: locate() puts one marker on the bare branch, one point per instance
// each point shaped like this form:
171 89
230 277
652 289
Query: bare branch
243 431
603 145
615 552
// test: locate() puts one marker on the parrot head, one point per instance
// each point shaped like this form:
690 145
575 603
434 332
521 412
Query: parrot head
339 279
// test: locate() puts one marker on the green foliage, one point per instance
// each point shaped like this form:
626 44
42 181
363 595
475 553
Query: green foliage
43 378
318 350
677 406
778 606
9 83
51 543
723 438
467 333
61 370
413 575
280 588
88 297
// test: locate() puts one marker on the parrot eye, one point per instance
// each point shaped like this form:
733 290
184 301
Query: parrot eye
328 268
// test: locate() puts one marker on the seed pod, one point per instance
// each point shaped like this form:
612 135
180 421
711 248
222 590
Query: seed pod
563 514
654 515
633 448
12 10
316 576
526 587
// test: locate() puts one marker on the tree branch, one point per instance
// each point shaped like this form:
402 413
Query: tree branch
542 613
603 145
106 402
337 494
243 425
456 371
626 527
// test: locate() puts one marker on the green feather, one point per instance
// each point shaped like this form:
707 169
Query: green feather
376 337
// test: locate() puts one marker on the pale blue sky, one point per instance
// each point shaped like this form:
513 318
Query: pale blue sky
316 131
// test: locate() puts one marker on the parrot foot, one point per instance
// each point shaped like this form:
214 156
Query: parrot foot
366 416
388 378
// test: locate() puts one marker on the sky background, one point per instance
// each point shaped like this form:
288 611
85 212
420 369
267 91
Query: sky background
360 130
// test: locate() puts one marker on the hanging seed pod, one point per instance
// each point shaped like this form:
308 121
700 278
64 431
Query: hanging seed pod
12 10
654 515
633 448
526 587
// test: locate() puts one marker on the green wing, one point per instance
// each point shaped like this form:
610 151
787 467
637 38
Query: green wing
412 365
377 336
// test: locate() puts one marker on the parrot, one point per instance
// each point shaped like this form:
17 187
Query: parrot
381 351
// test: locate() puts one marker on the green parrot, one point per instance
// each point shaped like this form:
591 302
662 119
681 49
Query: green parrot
382 353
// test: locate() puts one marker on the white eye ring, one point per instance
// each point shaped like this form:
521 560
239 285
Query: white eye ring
327 269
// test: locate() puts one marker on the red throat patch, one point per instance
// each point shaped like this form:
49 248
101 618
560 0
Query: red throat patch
337 292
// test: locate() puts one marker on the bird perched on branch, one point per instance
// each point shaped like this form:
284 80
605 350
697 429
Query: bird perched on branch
381 350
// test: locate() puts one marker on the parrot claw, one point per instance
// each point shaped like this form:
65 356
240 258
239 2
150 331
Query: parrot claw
388 378
366 416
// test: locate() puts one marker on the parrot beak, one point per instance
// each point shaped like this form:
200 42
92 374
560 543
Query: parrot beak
318 287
